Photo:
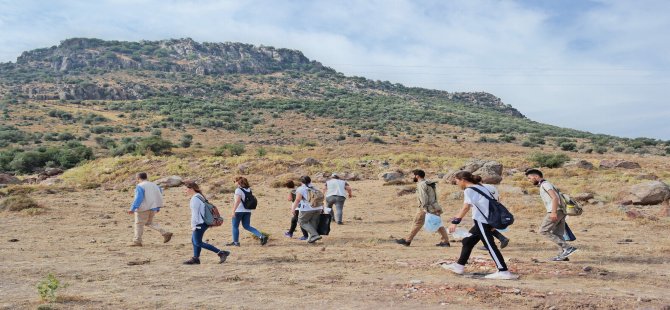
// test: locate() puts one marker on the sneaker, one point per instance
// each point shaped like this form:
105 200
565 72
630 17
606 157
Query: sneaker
568 251
288 235
403 242
504 243
222 256
559 259
501 275
233 244
135 243
443 244
167 237
455 268
339 223
303 238
314 239
192 261
483 248
264 240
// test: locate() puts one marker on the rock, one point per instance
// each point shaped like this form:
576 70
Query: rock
51 181
587 268
650 177
407 191
8 179
449 178
583 197
13 240
52 171
350 176
171 181
29 181
489 176
415 282
311 161
391 176
489 170
609 164
634 214
579 163
649 193
243 168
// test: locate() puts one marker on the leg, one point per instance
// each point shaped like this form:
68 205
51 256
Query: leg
330 201
205 245
468 244
487 237
548 227
150 223
294 223
141 218
498 235
246 223
443 233
236 226
196 239
419 218
339 206
304 218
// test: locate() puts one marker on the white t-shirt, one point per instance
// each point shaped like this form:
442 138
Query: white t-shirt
304 204
546 198
197 211
240 208
493 191
479 203
336 188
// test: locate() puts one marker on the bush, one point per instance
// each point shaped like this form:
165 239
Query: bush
568 146
18 203
549 160
65 156
230 149
186 141
154 144
375 139
507 138
261 152
47 288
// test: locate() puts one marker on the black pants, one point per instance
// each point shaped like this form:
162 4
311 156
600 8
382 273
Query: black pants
482 232
294 224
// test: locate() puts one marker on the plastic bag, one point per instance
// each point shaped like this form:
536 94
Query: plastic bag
432 222
461 233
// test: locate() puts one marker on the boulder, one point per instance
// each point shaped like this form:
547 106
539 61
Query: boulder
490 174
579 163
51 181
649 193
391 176
171 181
243 168
52 171
450 177
624 164
8 179
490 171
349 176
311 161
582 197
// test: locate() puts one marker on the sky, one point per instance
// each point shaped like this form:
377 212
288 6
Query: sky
599 66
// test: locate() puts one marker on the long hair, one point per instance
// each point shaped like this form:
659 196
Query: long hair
242 181
468 176
194 186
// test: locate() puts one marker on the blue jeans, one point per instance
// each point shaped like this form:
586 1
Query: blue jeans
197 241
245 219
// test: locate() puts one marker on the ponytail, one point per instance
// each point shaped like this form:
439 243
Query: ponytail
468 176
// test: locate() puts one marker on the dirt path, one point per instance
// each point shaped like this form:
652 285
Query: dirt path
82 240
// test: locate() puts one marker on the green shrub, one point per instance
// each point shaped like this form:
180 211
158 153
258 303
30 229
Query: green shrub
186 140
154 144
48 288
18 203
549 160
230 149
568 146
261 152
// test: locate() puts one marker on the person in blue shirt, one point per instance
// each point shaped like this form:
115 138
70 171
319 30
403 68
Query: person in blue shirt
148 201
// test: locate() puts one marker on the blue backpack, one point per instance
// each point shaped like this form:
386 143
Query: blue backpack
499 217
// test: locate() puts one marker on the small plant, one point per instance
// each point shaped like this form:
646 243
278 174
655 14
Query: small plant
549 160
48 288
261 152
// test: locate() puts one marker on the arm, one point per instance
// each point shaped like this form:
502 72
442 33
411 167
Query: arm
236 204
348 189
422 194
195 212
457 220
298 197
139 196
289 197
554 204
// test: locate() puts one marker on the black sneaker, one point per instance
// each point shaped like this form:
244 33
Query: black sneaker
403 242
504 243
559 259
264 240
192 261
443 244
233 244
222 256
339 223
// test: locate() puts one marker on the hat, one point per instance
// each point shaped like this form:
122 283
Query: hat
335 175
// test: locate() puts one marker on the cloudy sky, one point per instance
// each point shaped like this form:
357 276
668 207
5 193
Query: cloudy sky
600 66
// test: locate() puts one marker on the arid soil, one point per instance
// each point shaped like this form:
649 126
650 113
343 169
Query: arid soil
82 239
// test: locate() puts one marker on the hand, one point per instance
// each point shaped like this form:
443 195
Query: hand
553 217
452 228
131 212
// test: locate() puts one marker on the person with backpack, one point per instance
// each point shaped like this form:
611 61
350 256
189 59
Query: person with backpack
294 219
198 225
148 201
243 202
504 241
553 224
336 191
426 195
477 198
309 205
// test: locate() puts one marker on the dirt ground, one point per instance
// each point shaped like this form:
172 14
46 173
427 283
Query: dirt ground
81 239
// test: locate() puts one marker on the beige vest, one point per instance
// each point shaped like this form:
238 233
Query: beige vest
153 198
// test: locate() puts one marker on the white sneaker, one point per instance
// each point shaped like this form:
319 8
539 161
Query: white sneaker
501 275
455 268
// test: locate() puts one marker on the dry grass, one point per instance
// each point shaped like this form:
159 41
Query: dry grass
18 203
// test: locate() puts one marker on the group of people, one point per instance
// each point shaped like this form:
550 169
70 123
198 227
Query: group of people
308 203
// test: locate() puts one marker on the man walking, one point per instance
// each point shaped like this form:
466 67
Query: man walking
427 201
336 190
148 201
553 225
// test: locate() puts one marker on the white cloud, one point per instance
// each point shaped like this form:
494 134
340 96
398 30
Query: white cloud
602 68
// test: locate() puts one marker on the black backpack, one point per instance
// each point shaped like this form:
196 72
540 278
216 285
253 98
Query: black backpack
250 202
499 217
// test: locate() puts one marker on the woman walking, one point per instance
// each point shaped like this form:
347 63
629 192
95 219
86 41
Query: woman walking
294 219
241 214
475 195
309 214
198 226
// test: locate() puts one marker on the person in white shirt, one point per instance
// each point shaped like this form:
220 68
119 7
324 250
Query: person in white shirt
475 195
243 215
336 190
309 214
198 226
504 241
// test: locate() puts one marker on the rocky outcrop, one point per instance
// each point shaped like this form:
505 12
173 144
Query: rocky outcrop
392 176
489 170
171 181
624 164
579 163
311 162
649 193
9 179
